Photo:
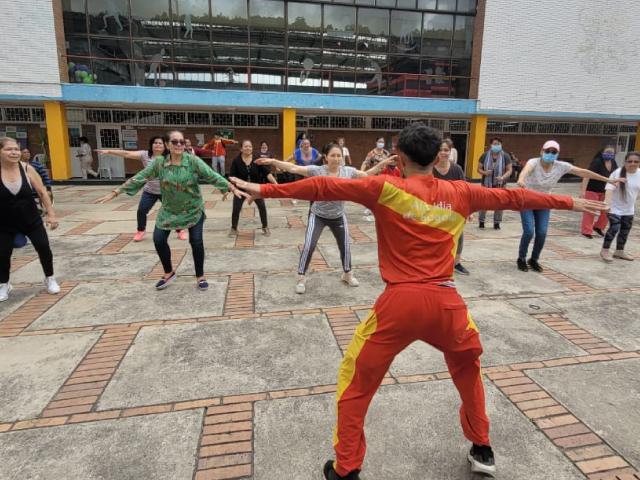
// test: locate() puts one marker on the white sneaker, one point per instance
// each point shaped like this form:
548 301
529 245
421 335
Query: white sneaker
52 286
350 280
367 212
5 289
606 255
622 255
301 286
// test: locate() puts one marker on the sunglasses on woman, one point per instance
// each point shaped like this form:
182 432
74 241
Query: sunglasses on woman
550 150
177 142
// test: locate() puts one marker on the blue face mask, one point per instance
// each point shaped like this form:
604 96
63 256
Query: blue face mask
549 157
609 156
496 148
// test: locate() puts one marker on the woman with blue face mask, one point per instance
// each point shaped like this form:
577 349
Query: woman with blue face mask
603 163
495 168
541 174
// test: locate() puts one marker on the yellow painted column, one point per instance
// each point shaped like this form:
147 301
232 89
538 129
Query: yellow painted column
637 145
58 138
477 140
288 132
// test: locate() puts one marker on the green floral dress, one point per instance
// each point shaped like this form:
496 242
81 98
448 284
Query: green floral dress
182 202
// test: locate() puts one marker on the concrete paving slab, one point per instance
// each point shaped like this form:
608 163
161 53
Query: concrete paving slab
246 260
291 236
162 447
182 362
493 250
120 302
32 369
508 336
580 244
74 245
598 274
365 254
533 306
507 230
91 267
324 289
66 225
413 433
213 239
604 396
17 298
611 316
503 278
116 227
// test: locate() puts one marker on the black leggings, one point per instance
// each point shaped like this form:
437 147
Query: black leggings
340 230
237 206
40 241
160 238
620 226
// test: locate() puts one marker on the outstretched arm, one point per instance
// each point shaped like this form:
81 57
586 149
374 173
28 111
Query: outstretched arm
135 183
584 173
365 192
285 166
129 155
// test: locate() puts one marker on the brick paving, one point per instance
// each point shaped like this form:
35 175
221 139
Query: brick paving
226 447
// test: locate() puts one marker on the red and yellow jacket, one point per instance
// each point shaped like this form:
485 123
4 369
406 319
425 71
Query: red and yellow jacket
418 219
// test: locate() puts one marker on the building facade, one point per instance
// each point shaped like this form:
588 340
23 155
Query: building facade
120 71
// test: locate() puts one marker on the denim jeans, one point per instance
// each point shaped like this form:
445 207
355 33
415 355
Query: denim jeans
218 164
534 222
147 201
160 238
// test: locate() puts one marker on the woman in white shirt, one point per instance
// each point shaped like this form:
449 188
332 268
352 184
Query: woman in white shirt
85 155
622 200
542 174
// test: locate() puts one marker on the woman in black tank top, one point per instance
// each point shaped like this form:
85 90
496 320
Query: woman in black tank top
19 214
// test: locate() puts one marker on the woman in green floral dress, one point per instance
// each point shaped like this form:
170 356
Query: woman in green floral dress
182 203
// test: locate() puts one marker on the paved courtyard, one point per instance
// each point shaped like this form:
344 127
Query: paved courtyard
114 380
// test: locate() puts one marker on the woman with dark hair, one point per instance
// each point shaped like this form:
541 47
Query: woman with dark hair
151 190
495 167
604 163
325 214
621 199
85 155
264 150
245 167
182 207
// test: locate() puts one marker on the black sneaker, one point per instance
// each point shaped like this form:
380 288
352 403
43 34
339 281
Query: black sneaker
522 265
496 226
587 235
330 473
481 459
599 232
535 266
481 225
164 282
460 269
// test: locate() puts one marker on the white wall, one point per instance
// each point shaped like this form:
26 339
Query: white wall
561 56
28 52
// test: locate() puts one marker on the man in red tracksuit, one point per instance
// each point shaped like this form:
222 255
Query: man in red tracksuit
419 220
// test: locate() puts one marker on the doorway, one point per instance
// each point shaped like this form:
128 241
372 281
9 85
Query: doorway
109 165
626 143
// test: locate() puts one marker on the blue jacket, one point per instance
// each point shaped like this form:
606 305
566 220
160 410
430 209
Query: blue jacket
43 173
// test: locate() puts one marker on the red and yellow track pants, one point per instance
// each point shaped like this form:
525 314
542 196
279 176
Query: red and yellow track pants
403 314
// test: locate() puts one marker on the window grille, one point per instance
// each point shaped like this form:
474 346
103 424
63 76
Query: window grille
147 117
198 118
222 119
244 120
99 116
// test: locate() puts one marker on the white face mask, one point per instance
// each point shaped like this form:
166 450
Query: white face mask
380 144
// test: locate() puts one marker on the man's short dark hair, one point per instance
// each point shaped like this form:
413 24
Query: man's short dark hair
495 139
420 143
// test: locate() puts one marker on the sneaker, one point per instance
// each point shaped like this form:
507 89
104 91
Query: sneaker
233 232
458 267
139 236
587 235
535 266
481 459
481 225
331 474
165 281
622 255
301 286
606 255
203 284
52 286
598 231
522 265
266 232
350 280
5 290
496 226
182 234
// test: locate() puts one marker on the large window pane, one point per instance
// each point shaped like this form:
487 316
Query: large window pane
339 27
150 19
404 64
81 71
427 4
405 32
437 33
467 6
373 30
191 19
303 81
77 45
267 79
338 60
232 78
447 5
305 60
191 76
153 74
230 55
229 22
110 47
463 37
339 82
461 67
386 3
437 67
109 17
267 22
74 17
192 52
406 3
154 51
110 72
305 25
267 57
